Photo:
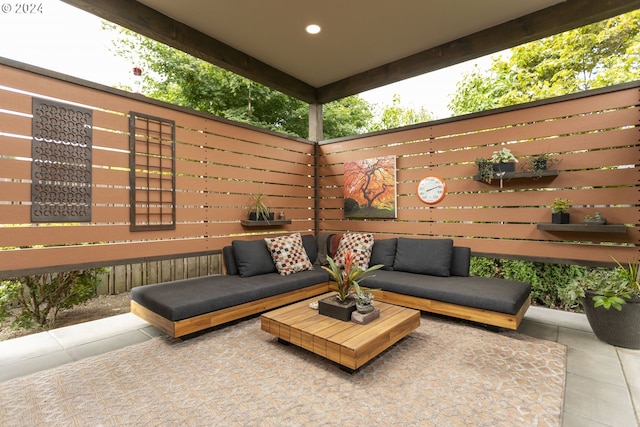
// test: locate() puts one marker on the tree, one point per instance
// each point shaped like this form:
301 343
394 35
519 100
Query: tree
593 56
178 78
395 116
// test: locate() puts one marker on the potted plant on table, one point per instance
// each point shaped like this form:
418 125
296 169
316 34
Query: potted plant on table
559 208
503 161
344 281
611 301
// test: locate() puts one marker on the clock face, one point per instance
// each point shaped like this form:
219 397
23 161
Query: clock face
431 189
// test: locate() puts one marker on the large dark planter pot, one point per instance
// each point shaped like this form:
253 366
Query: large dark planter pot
504 167
619 328
560 218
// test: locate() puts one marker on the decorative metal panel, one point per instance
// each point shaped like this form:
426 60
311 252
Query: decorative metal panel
61 167
152 173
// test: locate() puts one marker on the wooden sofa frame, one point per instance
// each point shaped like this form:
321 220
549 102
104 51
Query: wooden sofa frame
205 321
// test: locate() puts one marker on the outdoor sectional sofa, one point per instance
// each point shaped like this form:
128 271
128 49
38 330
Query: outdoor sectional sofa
426 274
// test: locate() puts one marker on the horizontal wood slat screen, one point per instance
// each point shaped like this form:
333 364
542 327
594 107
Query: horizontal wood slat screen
219 165
595 137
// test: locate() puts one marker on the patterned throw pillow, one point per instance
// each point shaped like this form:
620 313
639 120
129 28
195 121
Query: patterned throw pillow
288 254
359 244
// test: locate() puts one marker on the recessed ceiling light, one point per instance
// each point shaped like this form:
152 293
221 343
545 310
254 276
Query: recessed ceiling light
313 29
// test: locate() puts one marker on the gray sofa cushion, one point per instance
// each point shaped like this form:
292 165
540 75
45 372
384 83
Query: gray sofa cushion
424 256
503 296
229 260
460 261
311 247
252 257
384 252
186 298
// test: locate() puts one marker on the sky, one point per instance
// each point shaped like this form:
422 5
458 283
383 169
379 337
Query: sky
64 39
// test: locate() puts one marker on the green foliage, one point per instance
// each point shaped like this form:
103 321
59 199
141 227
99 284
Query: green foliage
546 279
597 55
181 79
560 205
397 116
612 287
41 296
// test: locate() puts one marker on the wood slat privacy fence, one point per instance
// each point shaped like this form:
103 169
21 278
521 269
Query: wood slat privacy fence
218 167
593 135
220 164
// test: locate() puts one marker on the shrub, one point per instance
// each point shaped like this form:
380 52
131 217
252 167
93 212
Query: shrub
40 297
547 280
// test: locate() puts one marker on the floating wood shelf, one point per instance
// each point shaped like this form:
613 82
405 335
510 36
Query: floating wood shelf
262 223
525 174
583 228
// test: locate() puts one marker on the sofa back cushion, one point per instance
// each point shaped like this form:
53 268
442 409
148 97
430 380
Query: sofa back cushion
460 261
424 256
252 257
384 252
311 247
229 261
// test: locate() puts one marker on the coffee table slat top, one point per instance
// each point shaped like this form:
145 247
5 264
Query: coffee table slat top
347 343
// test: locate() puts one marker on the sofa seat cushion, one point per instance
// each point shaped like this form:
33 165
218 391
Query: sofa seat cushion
182 299
503 296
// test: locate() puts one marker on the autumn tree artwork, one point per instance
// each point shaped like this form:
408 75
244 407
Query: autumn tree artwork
370 188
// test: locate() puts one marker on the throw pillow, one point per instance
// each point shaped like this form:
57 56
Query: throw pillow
359 244
252 258
288 254
424 256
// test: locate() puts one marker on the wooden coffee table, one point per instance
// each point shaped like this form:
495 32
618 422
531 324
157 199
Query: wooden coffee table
349 344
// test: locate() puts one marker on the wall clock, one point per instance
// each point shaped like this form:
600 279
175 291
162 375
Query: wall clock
432 189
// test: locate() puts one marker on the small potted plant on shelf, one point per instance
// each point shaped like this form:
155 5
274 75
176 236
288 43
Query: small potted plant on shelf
485 169
504 161
539 163
258 210
559 208
611 301
595 219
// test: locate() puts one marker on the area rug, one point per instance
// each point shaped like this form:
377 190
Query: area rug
445 373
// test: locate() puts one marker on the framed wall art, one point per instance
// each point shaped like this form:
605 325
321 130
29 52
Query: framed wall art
370 188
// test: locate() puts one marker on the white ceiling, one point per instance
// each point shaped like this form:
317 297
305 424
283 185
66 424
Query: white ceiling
364 44
356 34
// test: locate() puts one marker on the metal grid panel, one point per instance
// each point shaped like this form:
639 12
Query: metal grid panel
152 175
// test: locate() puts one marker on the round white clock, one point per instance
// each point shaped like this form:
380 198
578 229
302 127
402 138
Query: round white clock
432 189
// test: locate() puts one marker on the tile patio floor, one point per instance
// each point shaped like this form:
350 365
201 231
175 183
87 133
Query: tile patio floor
602 384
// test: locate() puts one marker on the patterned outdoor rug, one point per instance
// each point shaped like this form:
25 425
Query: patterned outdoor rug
445 373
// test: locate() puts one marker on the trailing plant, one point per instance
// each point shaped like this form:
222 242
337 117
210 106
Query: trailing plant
40 297
539 163
485 169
